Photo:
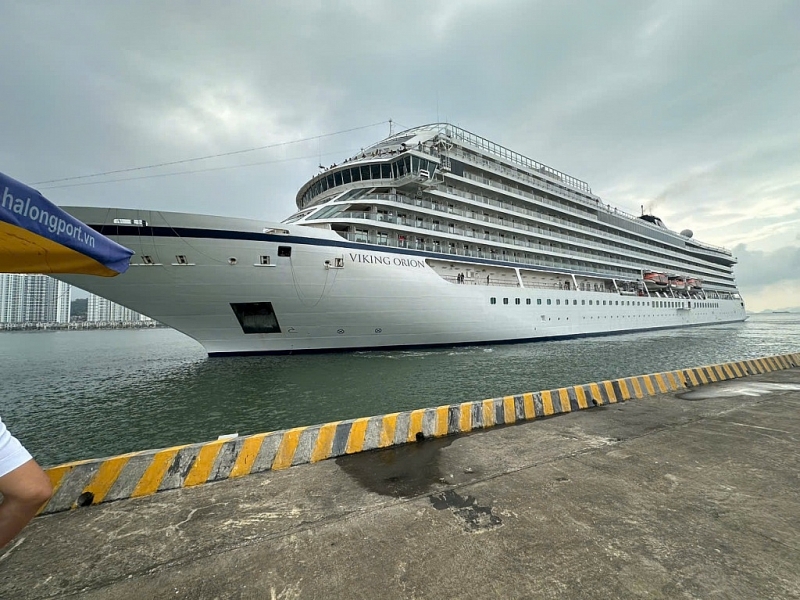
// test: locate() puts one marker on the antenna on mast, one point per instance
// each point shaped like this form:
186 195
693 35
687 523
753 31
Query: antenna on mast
390 127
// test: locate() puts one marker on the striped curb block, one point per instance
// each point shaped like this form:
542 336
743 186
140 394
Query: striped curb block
137 474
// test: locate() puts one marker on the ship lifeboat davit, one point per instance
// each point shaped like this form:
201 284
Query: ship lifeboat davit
694 284
655 281
677 283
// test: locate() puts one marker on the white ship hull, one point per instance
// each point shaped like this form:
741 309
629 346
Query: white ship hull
335 295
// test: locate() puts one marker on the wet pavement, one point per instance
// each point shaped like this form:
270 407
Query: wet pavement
690 495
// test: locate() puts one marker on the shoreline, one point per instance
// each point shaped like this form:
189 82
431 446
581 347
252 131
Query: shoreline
79 326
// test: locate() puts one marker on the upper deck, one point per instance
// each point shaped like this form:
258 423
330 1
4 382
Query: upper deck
411 158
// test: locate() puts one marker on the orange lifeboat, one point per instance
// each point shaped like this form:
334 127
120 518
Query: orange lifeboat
655 281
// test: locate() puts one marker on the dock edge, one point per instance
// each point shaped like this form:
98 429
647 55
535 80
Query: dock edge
95 481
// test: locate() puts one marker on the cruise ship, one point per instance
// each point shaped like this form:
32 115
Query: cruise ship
433 236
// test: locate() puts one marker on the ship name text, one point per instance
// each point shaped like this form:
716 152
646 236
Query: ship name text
386 260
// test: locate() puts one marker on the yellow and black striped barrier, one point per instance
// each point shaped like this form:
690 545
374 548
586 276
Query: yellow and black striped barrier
143 473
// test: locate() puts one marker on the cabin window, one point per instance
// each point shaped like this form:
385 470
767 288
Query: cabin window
492 300
284 251
527 301
575 303
181 259
583 302
256 317
558 302
147 259
549 301
264 259
505 300
538 301
516 301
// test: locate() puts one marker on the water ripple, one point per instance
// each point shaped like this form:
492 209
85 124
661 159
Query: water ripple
85 394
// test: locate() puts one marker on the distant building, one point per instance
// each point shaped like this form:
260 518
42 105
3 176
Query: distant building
33 299
102 310
11 303
42 299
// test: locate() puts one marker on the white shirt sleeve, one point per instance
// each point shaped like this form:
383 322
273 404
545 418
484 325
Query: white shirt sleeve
12 453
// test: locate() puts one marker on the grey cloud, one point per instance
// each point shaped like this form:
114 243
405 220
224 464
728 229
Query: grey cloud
758 269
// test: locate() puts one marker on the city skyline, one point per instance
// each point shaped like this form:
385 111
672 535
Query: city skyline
28 298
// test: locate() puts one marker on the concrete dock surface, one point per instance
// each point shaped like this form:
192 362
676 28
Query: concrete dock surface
694 494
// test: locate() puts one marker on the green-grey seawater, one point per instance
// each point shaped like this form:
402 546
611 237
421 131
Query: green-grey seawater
72 395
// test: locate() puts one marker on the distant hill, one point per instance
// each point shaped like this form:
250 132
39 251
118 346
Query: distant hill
78 308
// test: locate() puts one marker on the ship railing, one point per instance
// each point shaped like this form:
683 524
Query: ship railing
592 202
557 264
542 217
543 200
497 239
456 133
589 199
499 221
428 225
641 254
479 281
542 286
588 255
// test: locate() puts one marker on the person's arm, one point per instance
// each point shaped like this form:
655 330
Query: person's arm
24 491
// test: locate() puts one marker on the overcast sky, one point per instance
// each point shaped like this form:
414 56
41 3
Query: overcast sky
691 109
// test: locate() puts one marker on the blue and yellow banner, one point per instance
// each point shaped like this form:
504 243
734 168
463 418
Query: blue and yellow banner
38 237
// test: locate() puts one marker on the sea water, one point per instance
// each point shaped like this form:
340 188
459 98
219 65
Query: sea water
70 395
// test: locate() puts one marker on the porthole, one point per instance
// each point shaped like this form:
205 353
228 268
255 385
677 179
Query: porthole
232 260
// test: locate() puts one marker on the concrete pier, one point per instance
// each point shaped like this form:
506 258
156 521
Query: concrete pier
692 493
